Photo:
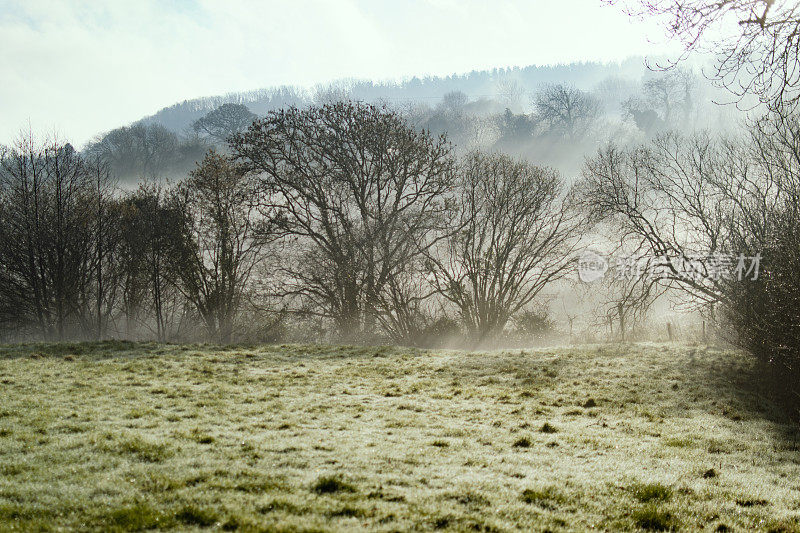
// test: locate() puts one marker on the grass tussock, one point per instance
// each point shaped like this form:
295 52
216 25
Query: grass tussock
548 428
547 498
522 442
331 484
651 518
649 492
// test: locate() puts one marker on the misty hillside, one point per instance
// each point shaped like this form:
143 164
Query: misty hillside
476 84
551 115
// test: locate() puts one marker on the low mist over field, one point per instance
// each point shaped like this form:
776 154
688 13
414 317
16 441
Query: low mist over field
392 266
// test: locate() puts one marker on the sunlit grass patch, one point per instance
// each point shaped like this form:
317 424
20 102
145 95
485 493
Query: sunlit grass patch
679 442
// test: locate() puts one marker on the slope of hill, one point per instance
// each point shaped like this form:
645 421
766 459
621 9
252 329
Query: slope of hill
123 436
476 84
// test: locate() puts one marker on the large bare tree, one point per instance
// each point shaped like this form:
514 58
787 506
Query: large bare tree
517 236
362 194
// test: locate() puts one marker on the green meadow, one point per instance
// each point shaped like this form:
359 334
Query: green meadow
141 436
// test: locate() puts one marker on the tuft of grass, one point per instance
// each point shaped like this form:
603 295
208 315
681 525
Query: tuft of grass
280 506
440 443
192 515
201 438
348 511
751 502
648 492
441 522
679 442
547 428
145 450
651 518
546 498
522 442
331 484
136 517
470 499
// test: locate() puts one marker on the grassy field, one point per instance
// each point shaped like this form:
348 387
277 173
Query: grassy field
123 436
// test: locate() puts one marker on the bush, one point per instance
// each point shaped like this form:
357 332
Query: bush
534 325
442 331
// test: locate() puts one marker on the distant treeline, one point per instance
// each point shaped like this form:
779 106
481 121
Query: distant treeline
179 118
555 124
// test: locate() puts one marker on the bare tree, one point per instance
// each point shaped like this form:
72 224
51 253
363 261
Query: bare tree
106 239
569 112
223 243
45 236
511 93
629 297
673 200
150 233
361 192
453 103
517 237
671 94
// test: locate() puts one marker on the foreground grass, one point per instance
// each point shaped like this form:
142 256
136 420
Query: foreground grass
121 436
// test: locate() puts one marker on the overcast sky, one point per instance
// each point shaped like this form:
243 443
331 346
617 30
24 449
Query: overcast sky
82 67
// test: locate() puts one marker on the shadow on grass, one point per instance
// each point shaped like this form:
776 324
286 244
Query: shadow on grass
743 388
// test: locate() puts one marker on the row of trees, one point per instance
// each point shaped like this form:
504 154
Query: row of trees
79 259
563 115
712 199
341 213
147 151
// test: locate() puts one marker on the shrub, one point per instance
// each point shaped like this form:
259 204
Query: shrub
534 324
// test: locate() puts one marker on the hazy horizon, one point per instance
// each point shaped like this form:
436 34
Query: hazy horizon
83 68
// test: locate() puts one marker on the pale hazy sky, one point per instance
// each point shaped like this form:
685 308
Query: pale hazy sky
82 67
